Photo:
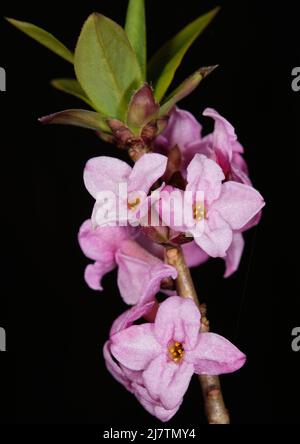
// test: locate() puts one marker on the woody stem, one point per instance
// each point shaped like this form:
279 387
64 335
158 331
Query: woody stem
215 409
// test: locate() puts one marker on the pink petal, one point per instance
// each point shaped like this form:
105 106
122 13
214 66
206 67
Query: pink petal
253 222
214 355
217 236
171 200
127 318
237 175
203 146
182 129
205 175
95 272
134 249
146 171
135 347
234 254
223 136
177 319
165 414
101 243
239 161
139 280
114 369
153 248
238 148
154 408
238 204
166 381
104 174
194 255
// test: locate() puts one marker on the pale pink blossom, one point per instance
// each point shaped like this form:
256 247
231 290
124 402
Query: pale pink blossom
139 272
225 209
161 357
103 177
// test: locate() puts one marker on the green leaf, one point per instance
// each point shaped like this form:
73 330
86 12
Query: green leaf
71 86
135 28
78 117
164 63
106 65
185 88
44 38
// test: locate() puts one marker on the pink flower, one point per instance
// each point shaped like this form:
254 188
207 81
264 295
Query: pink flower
102 177
221 145
169 351
182 130
139 272
226 209
132 380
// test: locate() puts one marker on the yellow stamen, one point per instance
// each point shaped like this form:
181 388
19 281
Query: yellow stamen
199 211
134 204
176 351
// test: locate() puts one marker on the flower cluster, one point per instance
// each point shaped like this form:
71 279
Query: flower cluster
184 191
156 360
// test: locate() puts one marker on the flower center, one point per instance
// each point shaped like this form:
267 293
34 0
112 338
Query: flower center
176 352
199 211
134 204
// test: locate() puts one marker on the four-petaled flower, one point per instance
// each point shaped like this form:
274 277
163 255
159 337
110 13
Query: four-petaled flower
170 350
121 191
225 209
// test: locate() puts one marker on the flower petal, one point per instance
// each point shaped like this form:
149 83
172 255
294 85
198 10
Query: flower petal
135 347
166 381
104 174
234 254
146 171
127 318
253 222
194 255
223 136
182 129
205 175
239 162
216 237
170 208
154 408
238 204
95 272
140 280
101 243
214 355
177 319
114 369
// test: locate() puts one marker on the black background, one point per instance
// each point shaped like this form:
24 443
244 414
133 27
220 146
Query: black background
53 371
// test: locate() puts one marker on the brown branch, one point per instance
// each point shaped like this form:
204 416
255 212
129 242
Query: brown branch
215 409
